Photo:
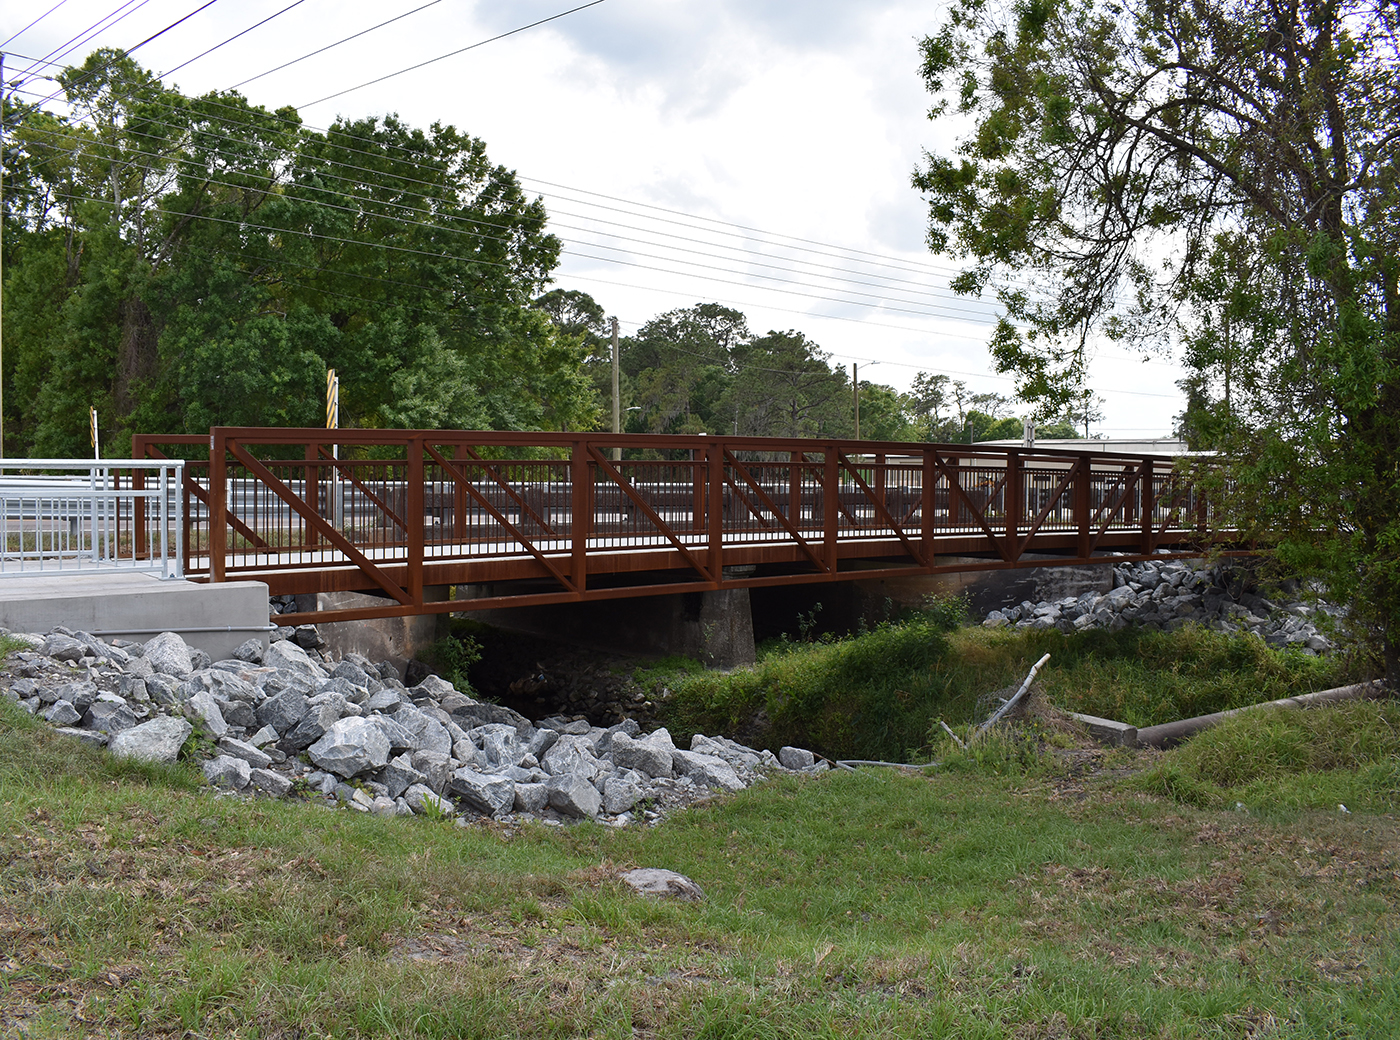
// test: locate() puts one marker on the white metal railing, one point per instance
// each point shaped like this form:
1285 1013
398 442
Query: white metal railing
76 516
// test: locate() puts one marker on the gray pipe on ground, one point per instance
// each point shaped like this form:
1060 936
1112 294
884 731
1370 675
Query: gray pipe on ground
1171 733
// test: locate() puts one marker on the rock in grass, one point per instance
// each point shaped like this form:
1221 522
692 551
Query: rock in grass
227 771
483 792
796 758
421 799
530 798
664 884
574 795
159 740
206 709
95 738
61 713
255 757
270 782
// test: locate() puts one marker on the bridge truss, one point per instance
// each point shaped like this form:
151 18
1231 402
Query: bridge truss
561 518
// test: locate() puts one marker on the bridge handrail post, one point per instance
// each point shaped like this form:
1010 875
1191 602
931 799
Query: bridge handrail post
928 485
831 504
218 504
714 520
1082 505
311 490
581 508
1148 496
413 515
1015 491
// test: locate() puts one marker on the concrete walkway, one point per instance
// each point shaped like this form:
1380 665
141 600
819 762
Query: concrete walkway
214 617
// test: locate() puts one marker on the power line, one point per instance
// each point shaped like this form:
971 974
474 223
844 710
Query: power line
337 43
82 36
418 163
451 54
936 309
51 10
132 50
235 36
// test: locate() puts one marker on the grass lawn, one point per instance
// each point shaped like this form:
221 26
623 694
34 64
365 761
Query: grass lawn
986 899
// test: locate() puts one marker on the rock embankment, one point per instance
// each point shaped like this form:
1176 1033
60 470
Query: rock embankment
287 722
1169 595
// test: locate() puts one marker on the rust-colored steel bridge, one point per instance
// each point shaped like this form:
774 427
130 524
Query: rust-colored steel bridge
563 518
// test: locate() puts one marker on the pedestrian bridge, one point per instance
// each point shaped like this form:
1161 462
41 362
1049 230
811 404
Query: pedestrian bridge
542 518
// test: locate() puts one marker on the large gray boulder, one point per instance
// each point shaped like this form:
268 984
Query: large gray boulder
571 756
110 716
650 755
169 654
159 740
61 713
499 743
619 795
227 771
287 656
428 733
573 795
399 775
317 721
205 708
283 711
531 798
707 770
351 746
400 739
63 648
484 792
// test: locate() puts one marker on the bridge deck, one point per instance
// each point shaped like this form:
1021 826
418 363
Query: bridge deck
557 518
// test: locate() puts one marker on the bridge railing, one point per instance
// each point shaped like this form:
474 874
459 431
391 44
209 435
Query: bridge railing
390 502
82 516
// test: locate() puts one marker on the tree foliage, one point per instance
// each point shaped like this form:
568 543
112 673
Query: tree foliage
1220 170
185 262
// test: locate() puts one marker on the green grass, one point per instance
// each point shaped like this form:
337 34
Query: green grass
873 695
1347 754
965 904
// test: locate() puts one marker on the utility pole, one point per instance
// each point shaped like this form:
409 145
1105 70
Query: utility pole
855 385
617 398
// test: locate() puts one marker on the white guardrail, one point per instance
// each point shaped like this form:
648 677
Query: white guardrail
86 516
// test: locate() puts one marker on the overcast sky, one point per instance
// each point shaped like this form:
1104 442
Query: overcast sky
773 139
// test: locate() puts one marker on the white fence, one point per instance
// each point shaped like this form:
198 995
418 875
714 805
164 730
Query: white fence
75 516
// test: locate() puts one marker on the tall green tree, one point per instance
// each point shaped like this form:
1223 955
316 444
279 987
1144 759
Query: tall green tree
1223 171
785 387
182 262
